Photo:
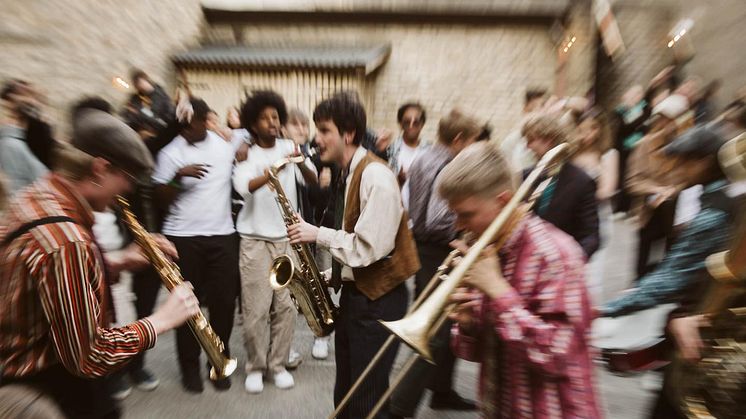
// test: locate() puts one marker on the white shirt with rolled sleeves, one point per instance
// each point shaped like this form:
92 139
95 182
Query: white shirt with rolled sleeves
203 207
261 217
374 235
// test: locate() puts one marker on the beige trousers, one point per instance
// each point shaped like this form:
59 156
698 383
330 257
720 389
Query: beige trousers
268 315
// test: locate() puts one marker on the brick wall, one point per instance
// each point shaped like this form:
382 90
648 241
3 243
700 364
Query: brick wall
72 48
717 38
481 69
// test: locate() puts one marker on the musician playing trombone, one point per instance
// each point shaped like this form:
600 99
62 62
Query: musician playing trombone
524 311
373 243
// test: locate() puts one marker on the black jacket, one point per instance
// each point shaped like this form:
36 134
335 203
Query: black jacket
573 207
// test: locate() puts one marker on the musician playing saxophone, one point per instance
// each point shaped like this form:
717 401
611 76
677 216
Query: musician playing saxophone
526 312
268 315
373 243
54 301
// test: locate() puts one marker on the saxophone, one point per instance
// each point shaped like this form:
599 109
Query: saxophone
222 366
306 284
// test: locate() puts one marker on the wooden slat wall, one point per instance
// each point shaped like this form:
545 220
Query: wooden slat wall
300 88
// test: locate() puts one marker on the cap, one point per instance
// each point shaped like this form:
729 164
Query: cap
100 134
700 141
672 107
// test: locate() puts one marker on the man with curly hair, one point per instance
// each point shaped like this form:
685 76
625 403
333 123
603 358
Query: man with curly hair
268 315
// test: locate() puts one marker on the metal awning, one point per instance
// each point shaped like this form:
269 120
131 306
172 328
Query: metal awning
343 58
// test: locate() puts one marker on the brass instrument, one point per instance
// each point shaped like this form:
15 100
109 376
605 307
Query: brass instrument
417 328
222 366
428 311
715 386
307 286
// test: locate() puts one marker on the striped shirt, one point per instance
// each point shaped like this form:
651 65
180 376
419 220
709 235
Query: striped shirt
532 341
52 290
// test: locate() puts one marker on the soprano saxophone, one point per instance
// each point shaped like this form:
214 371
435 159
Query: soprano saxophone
306 284
170 275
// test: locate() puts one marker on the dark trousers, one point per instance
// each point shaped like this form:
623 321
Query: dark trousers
210 263
77 397
358 336
145 286
438 377
659 227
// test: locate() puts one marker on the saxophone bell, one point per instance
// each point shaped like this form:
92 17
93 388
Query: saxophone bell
281 272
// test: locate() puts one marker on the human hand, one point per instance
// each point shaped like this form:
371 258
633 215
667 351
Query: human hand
325 178
302 232
383 139
197 170
485 273
184 109
466 304
685 331
242 153
180 306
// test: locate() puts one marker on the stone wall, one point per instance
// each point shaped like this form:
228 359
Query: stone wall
482 69
72 48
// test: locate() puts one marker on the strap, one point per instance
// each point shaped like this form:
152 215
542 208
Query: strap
33 224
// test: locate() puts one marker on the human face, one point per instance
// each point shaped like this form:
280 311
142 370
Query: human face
267 124
411 124
538 145
110 182
297 131
143 86
589 131
475 213
196 131
331 143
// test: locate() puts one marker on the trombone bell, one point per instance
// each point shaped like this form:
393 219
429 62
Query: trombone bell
414 333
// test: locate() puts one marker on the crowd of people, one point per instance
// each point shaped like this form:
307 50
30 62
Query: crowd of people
377 209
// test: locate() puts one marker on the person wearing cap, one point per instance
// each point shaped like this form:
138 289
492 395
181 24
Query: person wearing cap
677 276
54 304
653 183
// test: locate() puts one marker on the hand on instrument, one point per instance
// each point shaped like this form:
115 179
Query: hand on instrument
467 303
485 274
685 331
179 307
133 258
302 232
197 170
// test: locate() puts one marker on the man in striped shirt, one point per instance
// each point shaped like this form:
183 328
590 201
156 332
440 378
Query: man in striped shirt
54 302
526 313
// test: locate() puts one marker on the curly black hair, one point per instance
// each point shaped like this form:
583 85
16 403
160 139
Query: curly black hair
259 101
403 108
347 113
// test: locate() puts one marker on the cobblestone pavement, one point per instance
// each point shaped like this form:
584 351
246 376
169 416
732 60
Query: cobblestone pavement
622 397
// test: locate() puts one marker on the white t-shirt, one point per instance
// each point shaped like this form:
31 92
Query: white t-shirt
203 207
240 136
407 154
261 216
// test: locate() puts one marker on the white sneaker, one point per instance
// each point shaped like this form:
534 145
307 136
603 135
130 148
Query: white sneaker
284 380
294 359
254 383
320 348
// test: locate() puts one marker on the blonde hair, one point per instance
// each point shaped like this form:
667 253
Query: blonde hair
456 123
479 170
546 126
72 163
295 115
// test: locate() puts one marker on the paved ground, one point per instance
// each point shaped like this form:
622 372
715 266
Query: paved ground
623 397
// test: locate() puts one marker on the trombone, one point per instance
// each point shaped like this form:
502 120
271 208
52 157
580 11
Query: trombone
430 310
